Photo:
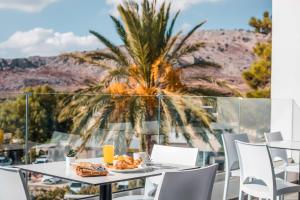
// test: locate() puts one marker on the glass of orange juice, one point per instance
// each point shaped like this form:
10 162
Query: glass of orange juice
108 153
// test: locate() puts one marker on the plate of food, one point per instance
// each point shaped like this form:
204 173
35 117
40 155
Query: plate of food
126 164
86 169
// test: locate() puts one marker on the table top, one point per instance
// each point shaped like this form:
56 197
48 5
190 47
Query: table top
289 145
60 170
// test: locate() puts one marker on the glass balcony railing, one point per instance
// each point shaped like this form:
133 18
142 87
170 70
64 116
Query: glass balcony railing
42 127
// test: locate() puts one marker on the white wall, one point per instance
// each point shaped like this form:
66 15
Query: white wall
282 117
296 124
286 50
286 61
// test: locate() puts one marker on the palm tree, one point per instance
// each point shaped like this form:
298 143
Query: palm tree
143 81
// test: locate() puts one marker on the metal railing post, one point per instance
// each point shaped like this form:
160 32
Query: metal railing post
239 115
203 159
27 95
159 97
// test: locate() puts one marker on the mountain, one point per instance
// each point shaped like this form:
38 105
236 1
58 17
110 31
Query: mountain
231 50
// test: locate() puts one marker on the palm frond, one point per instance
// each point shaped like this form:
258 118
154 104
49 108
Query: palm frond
198 111
81 58
100 55
120 29
94 102
98 124
113 48
189 49
118 73
233 89
174 54
170 30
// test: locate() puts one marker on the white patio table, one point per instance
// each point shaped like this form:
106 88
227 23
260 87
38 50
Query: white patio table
288 145
59 170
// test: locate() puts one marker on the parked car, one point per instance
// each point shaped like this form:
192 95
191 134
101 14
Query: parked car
5 161
75 187
41 159
48 180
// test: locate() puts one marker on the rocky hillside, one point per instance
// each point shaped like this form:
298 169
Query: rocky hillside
230 49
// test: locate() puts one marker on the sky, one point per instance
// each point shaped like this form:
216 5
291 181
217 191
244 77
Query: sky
51 27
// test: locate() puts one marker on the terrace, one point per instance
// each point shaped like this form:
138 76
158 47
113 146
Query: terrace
226 115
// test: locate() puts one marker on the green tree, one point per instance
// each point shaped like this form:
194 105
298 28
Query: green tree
263 25
258 76
138 71
42 113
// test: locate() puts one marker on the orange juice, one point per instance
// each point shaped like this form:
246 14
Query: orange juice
108 151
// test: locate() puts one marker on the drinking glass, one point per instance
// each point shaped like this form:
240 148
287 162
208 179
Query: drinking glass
108 153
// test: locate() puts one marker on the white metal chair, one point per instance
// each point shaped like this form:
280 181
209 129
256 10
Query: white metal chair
165 155
281 154
12 185
232 168
194 184
257 173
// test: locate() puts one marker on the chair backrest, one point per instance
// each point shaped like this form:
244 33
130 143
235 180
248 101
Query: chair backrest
276 153
194 184
256 164
174 155
231 157
12 185
169 155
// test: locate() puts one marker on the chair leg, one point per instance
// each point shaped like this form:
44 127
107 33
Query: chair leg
285 178
285 175
226 182
281 197
241 196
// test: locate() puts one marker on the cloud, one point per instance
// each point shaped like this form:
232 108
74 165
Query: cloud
25 5
176 4
45 42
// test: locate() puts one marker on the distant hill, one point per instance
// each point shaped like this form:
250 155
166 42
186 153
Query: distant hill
230 49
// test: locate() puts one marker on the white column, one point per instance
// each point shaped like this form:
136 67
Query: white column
285 63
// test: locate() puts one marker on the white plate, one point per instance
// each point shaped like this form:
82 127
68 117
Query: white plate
140 169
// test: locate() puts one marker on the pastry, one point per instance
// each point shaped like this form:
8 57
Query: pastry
125 162
86 169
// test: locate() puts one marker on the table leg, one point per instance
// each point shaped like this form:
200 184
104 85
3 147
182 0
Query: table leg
105 192
299 177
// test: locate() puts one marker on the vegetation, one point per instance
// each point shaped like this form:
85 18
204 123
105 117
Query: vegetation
55 194
32 155
42 110
89 190
141 73
1 136
93 190
72 153
258 76
263 25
